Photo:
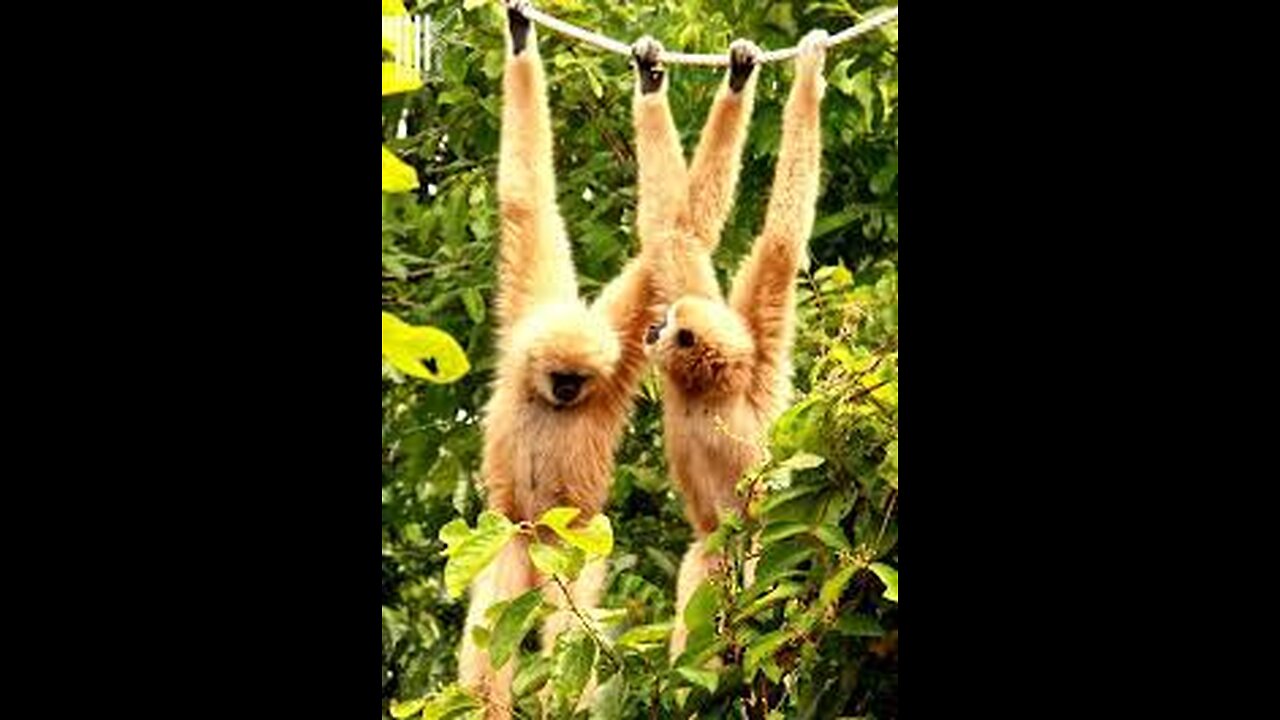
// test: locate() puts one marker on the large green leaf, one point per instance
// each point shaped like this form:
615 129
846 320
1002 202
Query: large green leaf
559 560
574 661
471 554
516 621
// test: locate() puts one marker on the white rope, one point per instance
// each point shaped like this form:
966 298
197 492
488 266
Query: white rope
676 58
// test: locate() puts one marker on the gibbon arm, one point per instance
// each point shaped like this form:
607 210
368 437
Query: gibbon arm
632 300
662 176
713 177
764 287
535 260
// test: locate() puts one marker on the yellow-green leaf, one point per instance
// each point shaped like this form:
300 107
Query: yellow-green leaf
424 352
566 562
393 8
595 538
515 622
889 577
646 635
397 176
471 554
397 78
407 708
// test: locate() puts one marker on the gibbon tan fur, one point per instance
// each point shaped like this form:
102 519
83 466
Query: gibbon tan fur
567 371
726 366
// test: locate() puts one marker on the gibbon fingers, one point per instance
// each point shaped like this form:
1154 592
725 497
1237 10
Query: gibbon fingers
726 367
566 374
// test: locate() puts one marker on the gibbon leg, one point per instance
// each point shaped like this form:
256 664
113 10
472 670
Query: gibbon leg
535 260
506 577
696 566
764 287
585 591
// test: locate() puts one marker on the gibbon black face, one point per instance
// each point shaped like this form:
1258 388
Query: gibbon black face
565 387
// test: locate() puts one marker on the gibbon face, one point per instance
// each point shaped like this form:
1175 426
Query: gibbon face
566 349
702 346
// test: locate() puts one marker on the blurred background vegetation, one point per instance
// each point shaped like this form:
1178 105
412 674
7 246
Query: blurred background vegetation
438 250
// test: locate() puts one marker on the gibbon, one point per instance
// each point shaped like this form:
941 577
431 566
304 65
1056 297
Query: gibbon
567 371
726 366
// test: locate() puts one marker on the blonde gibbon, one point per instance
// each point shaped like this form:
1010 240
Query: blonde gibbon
567 371
726 365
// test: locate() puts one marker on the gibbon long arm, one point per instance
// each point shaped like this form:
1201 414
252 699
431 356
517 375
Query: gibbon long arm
713 177
764 287
691 205
535 260
662 177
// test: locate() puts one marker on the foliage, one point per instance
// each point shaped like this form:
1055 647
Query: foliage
813 634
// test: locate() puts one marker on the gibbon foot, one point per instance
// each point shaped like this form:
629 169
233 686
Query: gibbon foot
744 56
517 24
645 53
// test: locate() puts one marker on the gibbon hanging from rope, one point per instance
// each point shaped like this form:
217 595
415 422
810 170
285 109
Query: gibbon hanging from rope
568 372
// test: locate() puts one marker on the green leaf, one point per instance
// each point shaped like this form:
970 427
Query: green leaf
834 586
700 611
764 647
833 536
803 461
595 538
473 4
559 560
474 304
424 352
574 660
782 497
515 622
532 674
469 556
782 556
645 635
889 577
707 679
858 626
451 703
407 708
773 532
393 8
784 591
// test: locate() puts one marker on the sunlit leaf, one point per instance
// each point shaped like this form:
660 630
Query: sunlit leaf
565 561
595 538
397 176
707 679
889 577
470 555
423 352
397 78
407 708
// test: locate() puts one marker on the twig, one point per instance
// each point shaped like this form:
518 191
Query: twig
586 624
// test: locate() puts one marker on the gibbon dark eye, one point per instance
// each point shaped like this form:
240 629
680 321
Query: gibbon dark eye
684 338
654 332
